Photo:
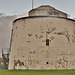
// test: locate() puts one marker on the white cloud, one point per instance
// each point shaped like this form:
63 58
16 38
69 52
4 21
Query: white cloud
22 15
5 29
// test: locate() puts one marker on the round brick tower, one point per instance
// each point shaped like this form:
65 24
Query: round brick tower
43 40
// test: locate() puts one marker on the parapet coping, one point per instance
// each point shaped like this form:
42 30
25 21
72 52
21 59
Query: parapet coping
42 17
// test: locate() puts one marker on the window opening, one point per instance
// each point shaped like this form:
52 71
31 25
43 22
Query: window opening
47 42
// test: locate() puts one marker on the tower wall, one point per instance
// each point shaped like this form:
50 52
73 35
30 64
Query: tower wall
43 43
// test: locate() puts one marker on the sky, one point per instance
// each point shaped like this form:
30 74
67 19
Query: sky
15 7
12 9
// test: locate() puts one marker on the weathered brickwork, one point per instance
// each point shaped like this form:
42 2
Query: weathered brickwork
43 42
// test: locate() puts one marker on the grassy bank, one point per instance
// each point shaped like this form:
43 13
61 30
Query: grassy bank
37 72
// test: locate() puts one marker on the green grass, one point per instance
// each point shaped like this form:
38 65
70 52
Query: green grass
37 72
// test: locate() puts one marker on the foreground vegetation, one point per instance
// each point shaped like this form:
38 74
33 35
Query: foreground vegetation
37 72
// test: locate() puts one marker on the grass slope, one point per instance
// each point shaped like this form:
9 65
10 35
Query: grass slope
37 72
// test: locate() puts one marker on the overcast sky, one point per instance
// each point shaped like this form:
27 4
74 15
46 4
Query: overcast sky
11 9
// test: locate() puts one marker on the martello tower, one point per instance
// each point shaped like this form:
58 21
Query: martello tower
43 40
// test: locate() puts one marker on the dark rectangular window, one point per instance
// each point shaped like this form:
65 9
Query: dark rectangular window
47 42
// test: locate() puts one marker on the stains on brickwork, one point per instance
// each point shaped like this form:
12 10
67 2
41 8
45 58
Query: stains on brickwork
74 31
29 34
51 38
50 30
32 52
28 41
67 36
32 62
42 29
63 61
65 33
47 29
18 63
16 27
73 37
38 36
43 41
73 40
